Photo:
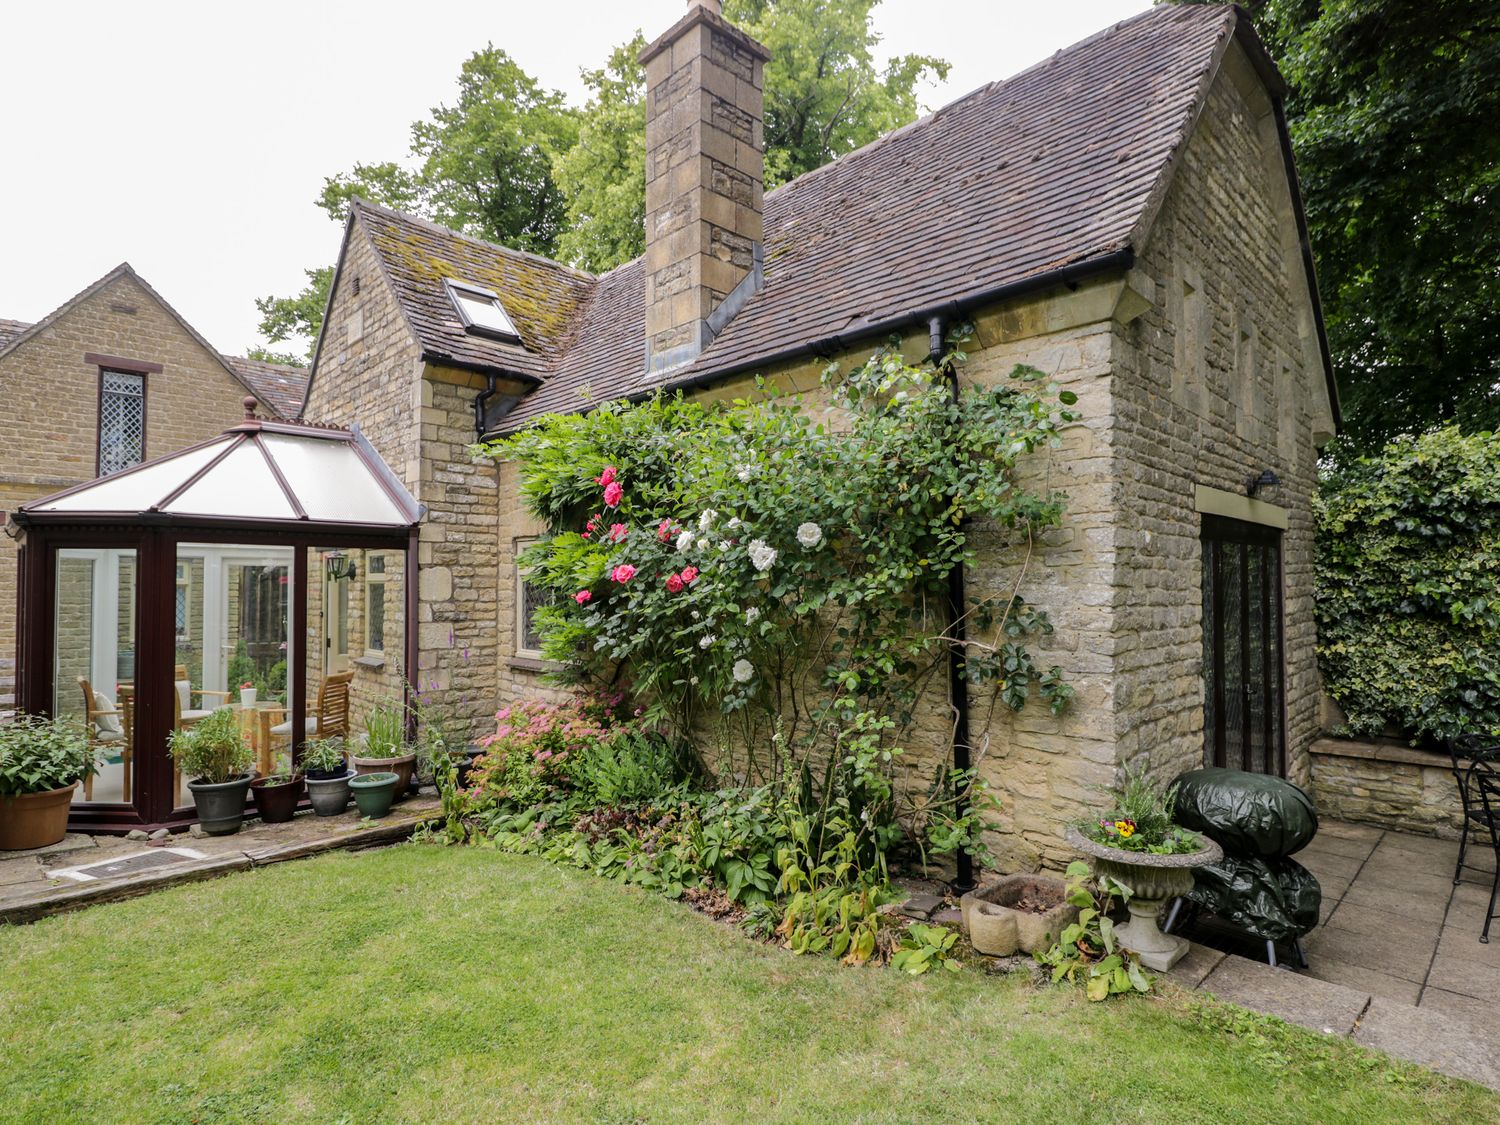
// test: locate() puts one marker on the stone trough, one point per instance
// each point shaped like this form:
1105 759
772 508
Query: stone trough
998 928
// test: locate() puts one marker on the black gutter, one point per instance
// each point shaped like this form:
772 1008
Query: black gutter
958 681
493 370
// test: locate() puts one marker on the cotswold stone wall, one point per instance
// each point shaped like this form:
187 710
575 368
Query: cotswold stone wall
1387 785
51 421
1215 382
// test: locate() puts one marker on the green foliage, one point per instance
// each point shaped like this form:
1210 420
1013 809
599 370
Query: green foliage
1140 817
825 92
299 317
385 731
213 749
1390 115
923 947
1408 614
784 580
633 767
1086 950
324 754
39 754
603 175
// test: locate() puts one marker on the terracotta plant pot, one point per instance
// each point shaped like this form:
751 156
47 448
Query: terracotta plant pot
276 802
35 820
373 792
402 767
221 807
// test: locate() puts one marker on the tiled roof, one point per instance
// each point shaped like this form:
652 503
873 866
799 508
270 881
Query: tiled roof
540 296
10 329
1058 166
277 385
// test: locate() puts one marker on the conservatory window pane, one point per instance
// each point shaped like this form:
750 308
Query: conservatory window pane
331 481
240 485
140 489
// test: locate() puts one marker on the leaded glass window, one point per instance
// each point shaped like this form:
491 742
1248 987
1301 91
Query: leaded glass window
529 598
122 420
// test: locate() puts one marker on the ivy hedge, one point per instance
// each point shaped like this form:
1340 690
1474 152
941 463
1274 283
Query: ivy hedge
1408 587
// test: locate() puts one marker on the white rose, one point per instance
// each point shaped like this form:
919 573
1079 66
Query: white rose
751 614
809 534
693 680
743 671
706 520
707 641
724 544
733 523
762 557
685 540
745 473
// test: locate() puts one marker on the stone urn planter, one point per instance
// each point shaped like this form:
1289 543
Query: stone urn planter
1016 913
221 807
1151 880
35 820
329 795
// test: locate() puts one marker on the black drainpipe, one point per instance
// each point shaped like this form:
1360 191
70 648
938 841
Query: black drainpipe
480 401
958 687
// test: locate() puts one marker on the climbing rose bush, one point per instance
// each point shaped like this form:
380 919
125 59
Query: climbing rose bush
777 566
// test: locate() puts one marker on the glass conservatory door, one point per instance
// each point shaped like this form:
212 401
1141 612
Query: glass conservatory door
94 664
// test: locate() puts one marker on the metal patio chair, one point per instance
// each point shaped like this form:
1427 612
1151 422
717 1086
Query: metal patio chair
1485 779
1466 751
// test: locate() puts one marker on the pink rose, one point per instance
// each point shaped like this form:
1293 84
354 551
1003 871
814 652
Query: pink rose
664 530
617 532
674 583
622 573
613 494
606 478
689 575
582 596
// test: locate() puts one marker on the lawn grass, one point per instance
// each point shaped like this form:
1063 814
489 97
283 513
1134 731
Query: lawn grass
431 984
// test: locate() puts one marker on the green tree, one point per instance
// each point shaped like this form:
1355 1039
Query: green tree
1392 115
604 174
299 317
825 93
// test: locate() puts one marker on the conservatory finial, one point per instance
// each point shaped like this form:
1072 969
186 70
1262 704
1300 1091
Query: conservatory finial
249 404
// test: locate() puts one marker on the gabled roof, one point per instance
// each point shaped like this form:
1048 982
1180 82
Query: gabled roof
278 386
257 472
1051 174
14 333
541 297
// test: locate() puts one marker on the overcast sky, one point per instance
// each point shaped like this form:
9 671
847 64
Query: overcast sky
191 139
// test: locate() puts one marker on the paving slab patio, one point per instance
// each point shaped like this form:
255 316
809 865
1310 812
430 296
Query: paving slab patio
1396 962
34 884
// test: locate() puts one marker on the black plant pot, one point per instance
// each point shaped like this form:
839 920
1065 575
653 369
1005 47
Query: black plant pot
221 808
466 767
276 802
326 775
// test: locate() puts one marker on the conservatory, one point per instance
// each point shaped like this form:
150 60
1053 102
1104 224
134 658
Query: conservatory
250 571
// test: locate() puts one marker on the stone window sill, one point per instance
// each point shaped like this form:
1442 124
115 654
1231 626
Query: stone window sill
532 664
374 663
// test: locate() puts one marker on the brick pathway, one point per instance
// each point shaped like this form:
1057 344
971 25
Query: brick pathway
1396 963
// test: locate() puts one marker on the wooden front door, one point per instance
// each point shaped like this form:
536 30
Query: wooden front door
1244 687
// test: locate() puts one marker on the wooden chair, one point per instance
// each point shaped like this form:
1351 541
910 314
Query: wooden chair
329 717
106 734
187 714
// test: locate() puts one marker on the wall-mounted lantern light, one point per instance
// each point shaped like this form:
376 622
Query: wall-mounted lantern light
338 566
1266 482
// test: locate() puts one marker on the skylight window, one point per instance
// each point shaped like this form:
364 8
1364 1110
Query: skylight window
481 312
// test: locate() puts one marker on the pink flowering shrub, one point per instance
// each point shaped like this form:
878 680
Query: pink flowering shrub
526 760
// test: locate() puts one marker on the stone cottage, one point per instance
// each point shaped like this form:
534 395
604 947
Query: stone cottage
112 377
1124 216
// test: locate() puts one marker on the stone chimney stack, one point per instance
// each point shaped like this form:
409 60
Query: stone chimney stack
705 181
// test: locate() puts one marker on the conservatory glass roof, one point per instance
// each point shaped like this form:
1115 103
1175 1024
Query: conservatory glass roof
260 471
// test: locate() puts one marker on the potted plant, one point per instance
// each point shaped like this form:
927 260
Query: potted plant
385 748
327 774
247 695
42 761
276 796
213 752
1137 847
374 792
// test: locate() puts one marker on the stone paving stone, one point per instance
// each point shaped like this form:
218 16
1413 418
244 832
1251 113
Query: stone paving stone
1317 1004
1482 1014
1417 900
1324 845
1348 830
1363 920
1373 981
1199 961
1465 977
1461 942
1329 867
1391 954
14 871
1419 867
1430 1038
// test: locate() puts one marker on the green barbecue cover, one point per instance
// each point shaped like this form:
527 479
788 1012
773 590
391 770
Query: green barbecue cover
1275 899
1250 815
